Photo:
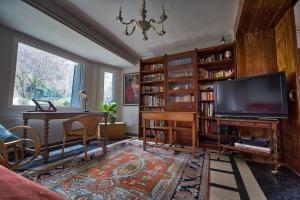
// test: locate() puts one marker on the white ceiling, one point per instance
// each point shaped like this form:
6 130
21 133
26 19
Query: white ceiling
24 18
190 23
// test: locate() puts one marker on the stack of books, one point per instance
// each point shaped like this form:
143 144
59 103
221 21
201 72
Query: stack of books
153 67
153 101
262 145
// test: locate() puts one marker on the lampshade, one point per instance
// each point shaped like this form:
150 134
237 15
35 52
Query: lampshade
82 94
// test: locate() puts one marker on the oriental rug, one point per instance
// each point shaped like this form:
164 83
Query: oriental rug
128 172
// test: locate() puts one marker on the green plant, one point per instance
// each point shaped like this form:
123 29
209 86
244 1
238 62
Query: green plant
110 108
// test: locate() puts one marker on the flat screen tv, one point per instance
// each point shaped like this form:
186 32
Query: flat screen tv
262 96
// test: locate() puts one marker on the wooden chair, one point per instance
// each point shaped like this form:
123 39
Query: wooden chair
90 123
10 142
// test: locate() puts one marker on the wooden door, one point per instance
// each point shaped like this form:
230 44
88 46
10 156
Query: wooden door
286 52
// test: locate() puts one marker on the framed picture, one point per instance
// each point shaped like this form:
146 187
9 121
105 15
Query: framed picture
131 89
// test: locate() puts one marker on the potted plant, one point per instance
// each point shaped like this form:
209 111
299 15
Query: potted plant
110 108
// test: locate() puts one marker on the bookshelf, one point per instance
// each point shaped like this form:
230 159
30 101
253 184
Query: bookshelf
184 82
181 82
152 92
214 64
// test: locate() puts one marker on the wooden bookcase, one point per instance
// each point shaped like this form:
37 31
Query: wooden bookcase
214 64
152 93
187 78
181 82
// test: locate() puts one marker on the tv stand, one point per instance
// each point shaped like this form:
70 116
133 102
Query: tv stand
256 123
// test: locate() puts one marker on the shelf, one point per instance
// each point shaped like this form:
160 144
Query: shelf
153 71
216 63
206 100
158 127
151 106
169 68
151 82
216 49
206 90
187 102
245 150
146 93
215 79
183 78
190 91
208 118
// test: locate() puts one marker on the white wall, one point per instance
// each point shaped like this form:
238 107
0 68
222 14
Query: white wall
93 80
130 113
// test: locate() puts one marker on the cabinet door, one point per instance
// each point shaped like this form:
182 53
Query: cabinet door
286 50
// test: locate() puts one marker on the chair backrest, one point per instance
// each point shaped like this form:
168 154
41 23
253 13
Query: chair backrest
6 135
90 122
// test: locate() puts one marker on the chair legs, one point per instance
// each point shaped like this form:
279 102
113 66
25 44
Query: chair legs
85 148
63 146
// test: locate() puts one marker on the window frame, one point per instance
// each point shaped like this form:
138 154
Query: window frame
113 85
43 47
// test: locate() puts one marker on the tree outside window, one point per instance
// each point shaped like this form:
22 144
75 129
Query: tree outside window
45 76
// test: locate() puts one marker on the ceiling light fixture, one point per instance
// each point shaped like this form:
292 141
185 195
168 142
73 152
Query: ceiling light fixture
143 24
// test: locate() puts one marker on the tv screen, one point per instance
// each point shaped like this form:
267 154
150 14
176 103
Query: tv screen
256 96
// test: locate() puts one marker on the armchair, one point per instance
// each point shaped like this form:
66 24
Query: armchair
89 130
9 141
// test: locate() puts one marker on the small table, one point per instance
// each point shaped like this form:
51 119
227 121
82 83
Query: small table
172 117
46 117
114 131
256 123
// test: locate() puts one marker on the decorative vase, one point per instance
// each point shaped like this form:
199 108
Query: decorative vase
228 55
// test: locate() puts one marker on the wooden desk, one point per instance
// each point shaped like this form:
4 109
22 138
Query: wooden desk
172 117
46 117
256 123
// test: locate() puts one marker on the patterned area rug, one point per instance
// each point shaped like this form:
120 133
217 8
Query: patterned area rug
128 172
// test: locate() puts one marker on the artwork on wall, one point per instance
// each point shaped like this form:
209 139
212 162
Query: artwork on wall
131 89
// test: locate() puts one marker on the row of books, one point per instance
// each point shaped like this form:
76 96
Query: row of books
181 98
180 86
153 67
205 86
203 73
206 95
172 74
207 109
152 123
210 127
152 88
152 132
262 145
153 101
214 57
181 61
154 77
153 109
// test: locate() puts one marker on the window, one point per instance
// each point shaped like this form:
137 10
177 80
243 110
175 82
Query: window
44 76
108 87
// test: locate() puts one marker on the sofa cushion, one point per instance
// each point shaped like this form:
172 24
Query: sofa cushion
6 135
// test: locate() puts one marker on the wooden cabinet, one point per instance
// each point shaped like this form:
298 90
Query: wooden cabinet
152 93
286 51
214 64
176 83
115 131
181 82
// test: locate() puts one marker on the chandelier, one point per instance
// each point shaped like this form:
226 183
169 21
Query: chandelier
143 24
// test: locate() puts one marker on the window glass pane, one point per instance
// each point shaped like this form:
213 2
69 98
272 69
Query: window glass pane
44 76
108 95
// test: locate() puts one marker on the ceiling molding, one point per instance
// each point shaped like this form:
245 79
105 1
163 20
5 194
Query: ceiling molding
64 17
